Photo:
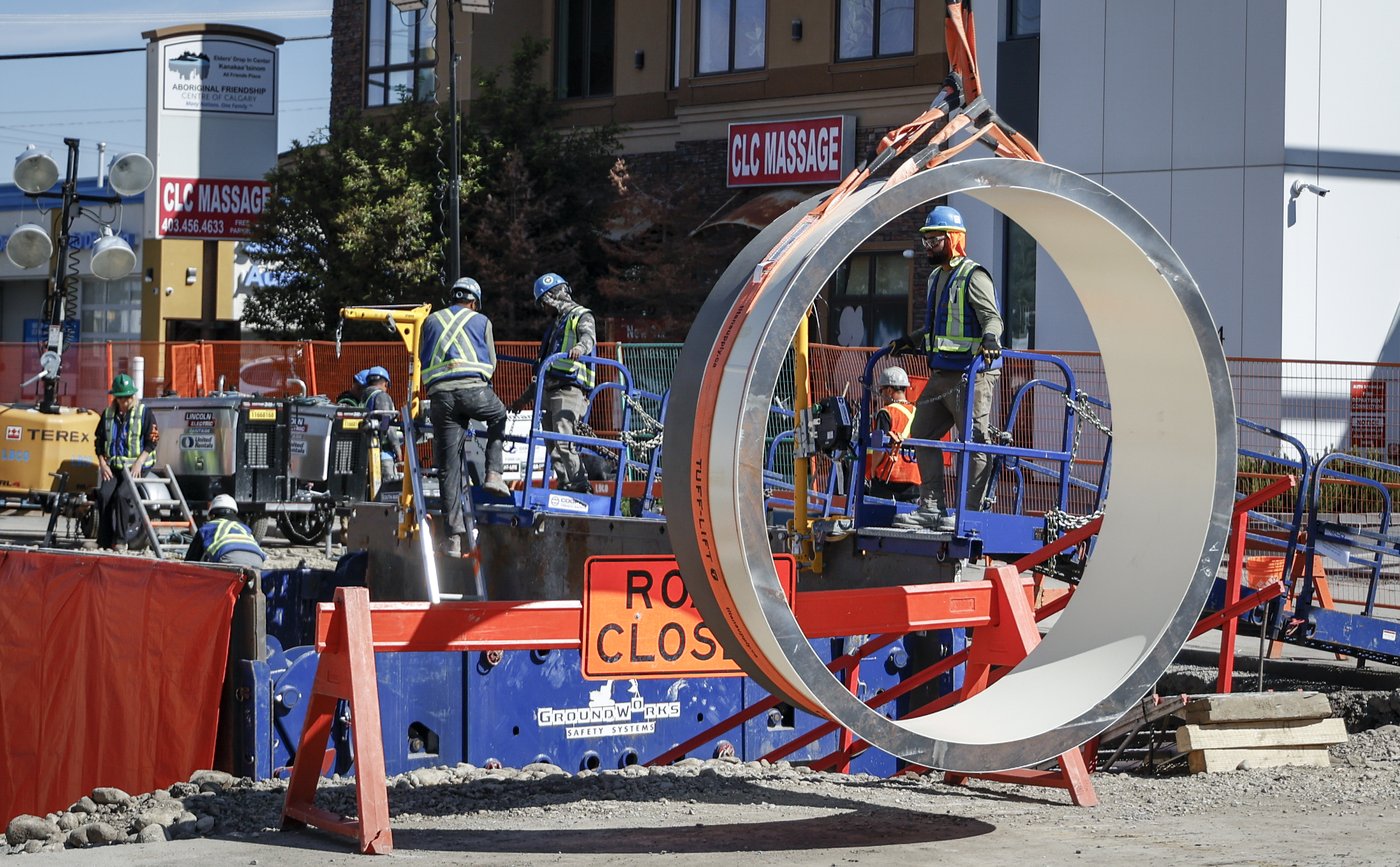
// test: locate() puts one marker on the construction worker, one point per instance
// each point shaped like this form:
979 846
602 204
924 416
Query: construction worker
225 539
961 323
458 357
353 395
567 381
378 401
126 438
890 473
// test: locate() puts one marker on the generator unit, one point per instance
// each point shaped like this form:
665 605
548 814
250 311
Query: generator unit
224 444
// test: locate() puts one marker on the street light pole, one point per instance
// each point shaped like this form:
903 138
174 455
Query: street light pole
454 258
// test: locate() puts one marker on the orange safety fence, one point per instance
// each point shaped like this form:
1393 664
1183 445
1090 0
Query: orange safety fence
1353 406
113 668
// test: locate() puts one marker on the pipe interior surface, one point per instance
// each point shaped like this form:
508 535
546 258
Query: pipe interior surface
1173 471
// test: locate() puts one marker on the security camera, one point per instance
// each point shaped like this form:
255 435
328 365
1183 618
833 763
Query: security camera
1299 187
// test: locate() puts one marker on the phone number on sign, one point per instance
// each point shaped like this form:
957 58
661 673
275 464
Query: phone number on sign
176 225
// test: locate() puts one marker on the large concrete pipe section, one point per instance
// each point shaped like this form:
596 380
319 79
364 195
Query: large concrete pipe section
1173 466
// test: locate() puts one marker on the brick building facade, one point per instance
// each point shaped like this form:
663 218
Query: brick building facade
674 74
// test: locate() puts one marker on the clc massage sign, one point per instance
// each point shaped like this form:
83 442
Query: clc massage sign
211 208
814 150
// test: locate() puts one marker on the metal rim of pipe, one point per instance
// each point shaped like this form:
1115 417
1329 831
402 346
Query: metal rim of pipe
1173 477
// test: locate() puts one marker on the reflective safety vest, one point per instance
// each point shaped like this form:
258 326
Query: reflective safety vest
895 467
562 338
455 347
223 536
130 445
952 324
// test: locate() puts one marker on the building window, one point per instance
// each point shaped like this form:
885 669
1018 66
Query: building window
675 44
400 55
110 309
583 36
1018 316
870 299
1023 19
732 35
874 28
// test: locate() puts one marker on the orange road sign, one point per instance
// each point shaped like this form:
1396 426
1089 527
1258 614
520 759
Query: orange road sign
639 621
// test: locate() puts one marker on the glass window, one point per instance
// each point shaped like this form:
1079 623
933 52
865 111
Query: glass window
110 309
1018 315
874 28
400 55
870 299
1024 19
583 37
732 35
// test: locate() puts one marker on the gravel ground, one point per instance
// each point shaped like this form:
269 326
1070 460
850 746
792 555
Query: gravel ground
724 811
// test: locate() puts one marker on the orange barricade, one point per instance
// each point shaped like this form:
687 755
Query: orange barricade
111 674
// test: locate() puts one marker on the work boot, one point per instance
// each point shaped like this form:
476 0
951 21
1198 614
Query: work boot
495 485
925 518
452 545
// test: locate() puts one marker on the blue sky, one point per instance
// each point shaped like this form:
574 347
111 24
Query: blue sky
103 98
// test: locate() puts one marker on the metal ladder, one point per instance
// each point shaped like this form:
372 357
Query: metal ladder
164 519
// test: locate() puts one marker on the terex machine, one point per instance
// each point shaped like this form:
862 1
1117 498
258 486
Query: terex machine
47 461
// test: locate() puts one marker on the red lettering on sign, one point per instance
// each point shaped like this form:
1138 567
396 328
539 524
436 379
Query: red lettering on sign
209 208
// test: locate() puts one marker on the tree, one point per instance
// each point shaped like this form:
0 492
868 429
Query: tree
660 268
353 219
541 194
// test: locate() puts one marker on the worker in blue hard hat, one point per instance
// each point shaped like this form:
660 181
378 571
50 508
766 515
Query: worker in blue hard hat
225 539
380 403
961 323
458 357
353 396
567 381
126 438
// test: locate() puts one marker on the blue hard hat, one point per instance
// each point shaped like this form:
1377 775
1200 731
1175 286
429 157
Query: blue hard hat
546 282
361 377
466 288
944 219
377 371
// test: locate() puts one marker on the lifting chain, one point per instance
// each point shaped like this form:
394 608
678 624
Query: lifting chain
1056 521
1085 410
649 436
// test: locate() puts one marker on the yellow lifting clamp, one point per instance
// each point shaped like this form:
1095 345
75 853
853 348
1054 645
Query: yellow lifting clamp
405 320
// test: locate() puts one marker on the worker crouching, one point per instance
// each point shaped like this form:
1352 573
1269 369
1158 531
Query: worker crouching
225 539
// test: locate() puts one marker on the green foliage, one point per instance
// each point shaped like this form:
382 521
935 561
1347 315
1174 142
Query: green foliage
1336 495
353 219
540 197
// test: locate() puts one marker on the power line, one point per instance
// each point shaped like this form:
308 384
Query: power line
95 52
130 17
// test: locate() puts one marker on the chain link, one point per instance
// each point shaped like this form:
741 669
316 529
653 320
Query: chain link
648 437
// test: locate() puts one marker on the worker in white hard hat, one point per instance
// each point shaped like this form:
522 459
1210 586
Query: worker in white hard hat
893 473
225 539
458 355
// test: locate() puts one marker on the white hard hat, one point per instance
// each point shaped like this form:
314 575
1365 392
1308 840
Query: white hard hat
894 377
223 502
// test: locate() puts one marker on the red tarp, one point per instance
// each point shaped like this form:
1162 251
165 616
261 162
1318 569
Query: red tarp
110 674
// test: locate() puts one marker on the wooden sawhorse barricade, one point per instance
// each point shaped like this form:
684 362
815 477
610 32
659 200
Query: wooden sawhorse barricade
352 629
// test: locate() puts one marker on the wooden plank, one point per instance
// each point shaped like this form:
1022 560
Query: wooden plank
1257 706
1284 733
1214 761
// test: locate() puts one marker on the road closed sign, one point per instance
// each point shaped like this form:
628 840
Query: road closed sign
639 620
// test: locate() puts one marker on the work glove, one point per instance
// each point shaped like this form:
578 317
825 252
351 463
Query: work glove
904 345
991 348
